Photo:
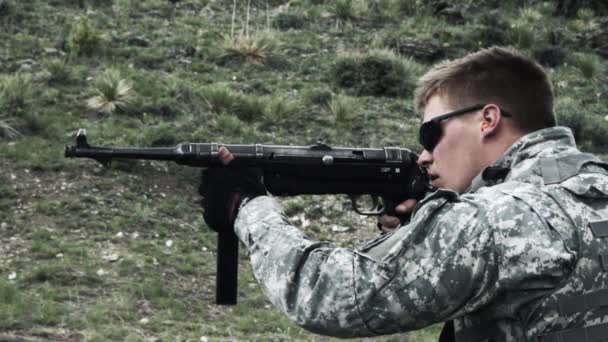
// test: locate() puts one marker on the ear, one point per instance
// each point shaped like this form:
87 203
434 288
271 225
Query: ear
491 116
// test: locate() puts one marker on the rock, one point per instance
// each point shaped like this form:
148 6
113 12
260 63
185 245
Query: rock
53 52
26 61
421 50
339 229
551 56
452 12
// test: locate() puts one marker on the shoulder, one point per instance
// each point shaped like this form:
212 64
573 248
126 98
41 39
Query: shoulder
509 210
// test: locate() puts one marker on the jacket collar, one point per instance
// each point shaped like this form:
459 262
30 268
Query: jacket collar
553 139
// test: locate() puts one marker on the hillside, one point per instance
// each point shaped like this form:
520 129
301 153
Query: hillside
121 253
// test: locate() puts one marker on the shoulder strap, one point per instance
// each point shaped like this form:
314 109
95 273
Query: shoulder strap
558 169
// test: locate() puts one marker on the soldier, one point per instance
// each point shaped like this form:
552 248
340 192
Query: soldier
511 246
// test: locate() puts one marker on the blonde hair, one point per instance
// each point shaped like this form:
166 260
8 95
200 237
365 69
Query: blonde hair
495 75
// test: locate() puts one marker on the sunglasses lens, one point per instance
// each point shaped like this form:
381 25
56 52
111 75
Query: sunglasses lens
429 135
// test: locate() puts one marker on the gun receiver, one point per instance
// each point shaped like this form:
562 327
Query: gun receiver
390 174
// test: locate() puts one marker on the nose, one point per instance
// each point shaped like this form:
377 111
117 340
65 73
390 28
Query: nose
425 159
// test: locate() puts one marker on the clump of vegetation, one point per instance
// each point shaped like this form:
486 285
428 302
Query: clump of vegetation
590 66
83 39
279 109
590 129
318 96
346 12
114 93
15 93
222 100
375 73
249 107
259 48
493 30
343 108
409 7
290 20
218 98
229 124
523 36
59 71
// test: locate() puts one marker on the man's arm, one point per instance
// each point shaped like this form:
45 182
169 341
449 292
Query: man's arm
442 265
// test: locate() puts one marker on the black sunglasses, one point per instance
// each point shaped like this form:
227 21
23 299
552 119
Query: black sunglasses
430 132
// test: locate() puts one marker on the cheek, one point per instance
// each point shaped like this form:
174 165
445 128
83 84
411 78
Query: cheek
455 153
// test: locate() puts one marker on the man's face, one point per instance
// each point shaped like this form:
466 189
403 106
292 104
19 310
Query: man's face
456 159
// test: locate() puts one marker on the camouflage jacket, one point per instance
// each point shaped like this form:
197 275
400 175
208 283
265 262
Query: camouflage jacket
496 258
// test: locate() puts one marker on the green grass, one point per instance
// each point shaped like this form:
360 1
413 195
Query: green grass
310 71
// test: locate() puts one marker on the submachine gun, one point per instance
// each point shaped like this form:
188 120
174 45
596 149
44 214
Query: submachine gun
388 175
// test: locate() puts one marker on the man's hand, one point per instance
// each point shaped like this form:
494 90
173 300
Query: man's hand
224 188
387 223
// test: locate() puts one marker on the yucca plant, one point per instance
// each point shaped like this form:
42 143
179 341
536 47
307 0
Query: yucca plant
7 130
257 48
113 93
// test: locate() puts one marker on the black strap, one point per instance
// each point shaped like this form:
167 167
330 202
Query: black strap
594 333
486 332
447 333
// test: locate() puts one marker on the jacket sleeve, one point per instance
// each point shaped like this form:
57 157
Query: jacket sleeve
441 265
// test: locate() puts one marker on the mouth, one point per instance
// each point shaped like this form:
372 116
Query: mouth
433 177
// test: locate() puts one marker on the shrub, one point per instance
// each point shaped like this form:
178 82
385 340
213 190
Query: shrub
114 93
15 93
589 65
258 49
59 70
347 11
83 39
523 36
218 99
163 134
229 124
344 108
493 30
589 128
318 96
249 107
409 7
279 109
222 100
376 73
289 20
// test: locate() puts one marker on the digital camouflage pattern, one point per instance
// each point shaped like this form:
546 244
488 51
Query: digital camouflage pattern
501 260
